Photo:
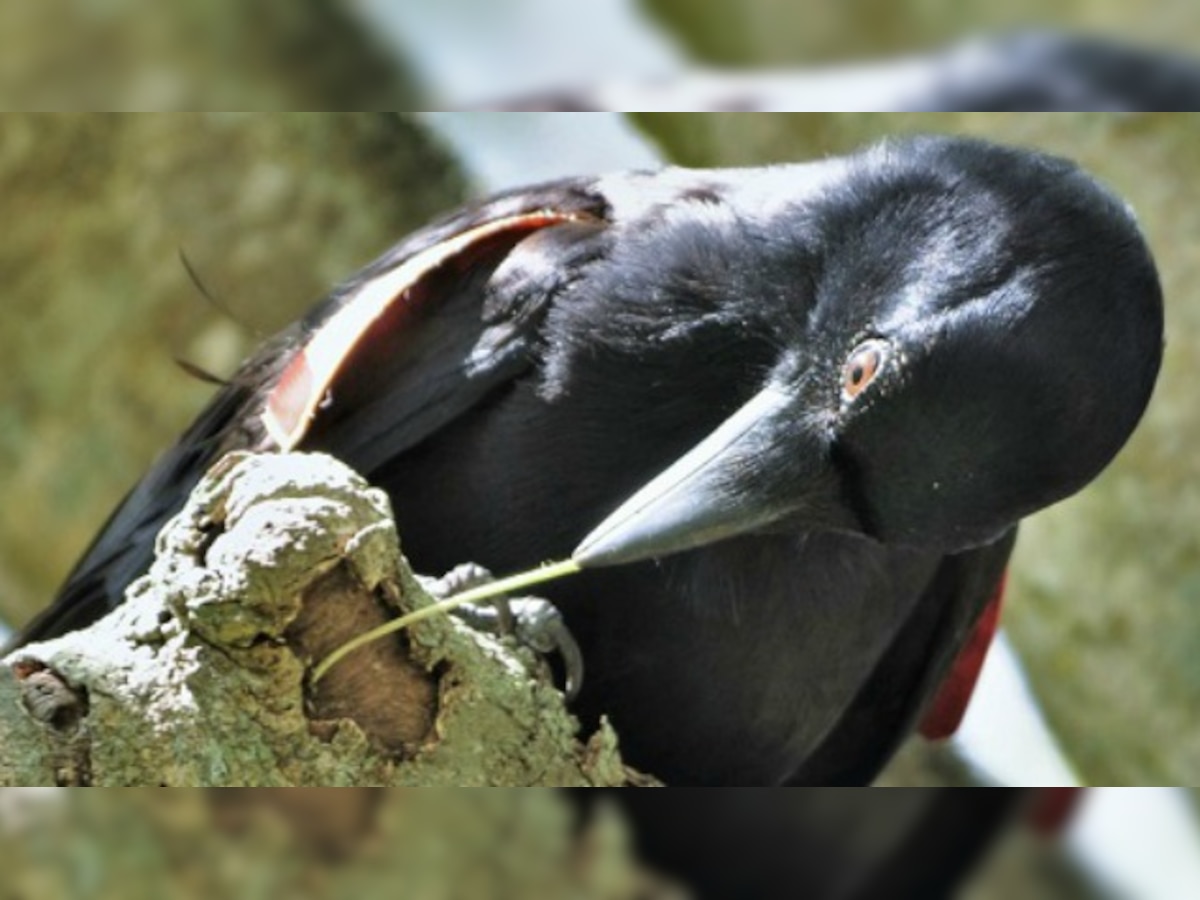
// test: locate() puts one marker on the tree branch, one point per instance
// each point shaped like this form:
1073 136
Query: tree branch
199 678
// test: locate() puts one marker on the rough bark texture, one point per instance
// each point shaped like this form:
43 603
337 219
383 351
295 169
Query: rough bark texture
200 678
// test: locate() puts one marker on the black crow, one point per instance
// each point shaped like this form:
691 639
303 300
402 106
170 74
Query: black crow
788 418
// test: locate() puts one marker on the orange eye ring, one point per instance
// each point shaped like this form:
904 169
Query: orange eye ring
862 366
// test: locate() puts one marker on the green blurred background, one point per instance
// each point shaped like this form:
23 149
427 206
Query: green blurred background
783 32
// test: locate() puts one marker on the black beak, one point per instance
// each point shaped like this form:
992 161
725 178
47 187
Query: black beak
757 467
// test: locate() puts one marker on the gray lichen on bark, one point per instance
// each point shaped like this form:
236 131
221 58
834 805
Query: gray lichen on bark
199 678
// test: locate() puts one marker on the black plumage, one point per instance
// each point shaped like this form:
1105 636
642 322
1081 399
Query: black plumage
835 389
813 843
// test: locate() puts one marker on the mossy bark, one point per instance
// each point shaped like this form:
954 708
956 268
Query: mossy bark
201 678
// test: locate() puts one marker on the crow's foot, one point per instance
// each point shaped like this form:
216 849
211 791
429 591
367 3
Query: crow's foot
533 622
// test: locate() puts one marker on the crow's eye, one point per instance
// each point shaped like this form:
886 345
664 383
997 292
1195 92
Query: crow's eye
862 366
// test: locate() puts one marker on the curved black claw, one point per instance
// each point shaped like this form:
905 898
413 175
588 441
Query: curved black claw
534 623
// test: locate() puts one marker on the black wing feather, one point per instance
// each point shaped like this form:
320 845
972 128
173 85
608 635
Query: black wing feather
892 699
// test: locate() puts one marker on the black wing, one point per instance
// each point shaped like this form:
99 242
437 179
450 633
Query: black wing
453 308
891 701
812 843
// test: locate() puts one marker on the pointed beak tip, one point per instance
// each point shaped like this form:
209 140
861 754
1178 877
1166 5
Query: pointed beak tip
597 550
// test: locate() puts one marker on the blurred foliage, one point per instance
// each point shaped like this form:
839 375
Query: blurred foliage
195 54
435 844
1104 602
780 32
270 210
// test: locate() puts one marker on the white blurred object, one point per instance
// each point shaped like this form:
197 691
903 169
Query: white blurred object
1138 843
1004 739
468 52
895 85
5 633
24 807
483 53
605 55
503 150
